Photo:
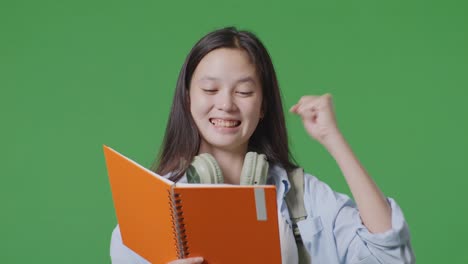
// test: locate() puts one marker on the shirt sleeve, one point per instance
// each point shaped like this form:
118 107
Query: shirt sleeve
119 253
358 245
354 242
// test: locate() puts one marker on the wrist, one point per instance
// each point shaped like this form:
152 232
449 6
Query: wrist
334 140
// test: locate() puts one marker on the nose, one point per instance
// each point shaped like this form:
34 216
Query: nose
225 102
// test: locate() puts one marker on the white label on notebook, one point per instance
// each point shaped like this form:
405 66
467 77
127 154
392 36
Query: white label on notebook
260 204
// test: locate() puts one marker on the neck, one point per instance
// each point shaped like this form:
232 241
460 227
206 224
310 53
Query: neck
229 161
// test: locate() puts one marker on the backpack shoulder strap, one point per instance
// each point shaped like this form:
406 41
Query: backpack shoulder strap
297 212
295 196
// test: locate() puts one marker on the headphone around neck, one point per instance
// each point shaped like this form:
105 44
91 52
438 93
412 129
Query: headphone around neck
205 169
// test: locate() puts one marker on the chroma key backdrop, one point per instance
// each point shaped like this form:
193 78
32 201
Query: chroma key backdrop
75 75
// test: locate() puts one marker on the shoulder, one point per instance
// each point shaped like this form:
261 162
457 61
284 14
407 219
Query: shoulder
317 187
316 192
321 199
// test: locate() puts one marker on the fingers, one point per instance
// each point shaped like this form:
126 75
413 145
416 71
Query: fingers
195 260
293 109
311 103
309 115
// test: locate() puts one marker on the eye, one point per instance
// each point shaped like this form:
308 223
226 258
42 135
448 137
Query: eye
209 91
244 93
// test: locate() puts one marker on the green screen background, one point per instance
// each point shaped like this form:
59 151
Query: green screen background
75 75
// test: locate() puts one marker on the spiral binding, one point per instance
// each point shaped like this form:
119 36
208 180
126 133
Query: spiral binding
178 227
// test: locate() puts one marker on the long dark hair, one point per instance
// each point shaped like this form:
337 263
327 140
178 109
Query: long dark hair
182 139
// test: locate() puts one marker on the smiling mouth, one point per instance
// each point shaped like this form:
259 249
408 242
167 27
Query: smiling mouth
224 123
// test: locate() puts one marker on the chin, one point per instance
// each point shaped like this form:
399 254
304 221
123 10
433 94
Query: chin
223 145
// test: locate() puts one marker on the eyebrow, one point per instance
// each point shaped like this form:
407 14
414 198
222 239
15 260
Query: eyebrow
241 80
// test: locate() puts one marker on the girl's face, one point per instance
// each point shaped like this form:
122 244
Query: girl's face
225 99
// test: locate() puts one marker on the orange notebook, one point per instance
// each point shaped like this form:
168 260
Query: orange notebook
163 221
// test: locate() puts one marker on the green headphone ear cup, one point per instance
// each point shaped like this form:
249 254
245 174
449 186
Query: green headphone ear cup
204 169
255 169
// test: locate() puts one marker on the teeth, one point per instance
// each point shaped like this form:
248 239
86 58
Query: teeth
224 123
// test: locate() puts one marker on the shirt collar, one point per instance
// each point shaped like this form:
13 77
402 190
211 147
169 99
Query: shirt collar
279 177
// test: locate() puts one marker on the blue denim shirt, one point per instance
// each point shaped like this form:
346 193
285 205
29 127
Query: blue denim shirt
332 233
